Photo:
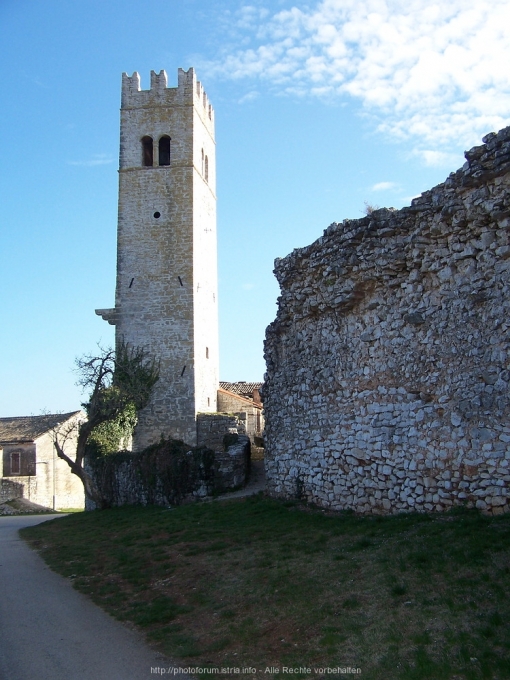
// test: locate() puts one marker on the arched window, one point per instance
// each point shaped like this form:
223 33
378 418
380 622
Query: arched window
147 152
206 169
164 150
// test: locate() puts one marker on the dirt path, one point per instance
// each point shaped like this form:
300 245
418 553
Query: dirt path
50 631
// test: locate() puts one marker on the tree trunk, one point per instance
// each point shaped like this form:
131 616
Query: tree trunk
92 491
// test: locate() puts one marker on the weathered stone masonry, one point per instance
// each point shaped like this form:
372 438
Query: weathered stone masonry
388 364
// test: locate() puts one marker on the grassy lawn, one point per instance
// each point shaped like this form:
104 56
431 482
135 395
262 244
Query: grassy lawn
260 583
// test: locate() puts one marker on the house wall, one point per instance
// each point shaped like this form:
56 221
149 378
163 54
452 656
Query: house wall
388 364
43 475
228 402
54 477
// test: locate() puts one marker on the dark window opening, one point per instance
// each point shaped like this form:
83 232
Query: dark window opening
15 464
206 172
147 152
164 150
207 352
157 215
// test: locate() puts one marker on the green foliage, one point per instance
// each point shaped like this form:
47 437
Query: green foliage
117 380
112 435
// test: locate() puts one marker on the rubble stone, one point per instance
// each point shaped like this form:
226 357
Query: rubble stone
388 364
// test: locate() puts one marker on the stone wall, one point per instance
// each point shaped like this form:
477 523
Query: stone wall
171 472
232 455
388 364
10 490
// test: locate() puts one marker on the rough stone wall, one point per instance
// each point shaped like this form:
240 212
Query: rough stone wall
123 477
233 465
388 364
212 428
166 293
9 490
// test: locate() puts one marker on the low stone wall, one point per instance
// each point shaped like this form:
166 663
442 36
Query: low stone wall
171 472
10 490
233 465
388 365
212 428
225 433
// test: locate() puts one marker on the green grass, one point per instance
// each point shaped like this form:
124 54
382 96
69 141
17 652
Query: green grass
256 582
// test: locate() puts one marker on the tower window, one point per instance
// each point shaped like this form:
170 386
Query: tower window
147 152
164 150
202 162
206 169
207 352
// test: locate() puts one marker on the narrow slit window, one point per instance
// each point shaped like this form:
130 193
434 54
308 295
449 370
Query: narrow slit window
15 463
206 169
207 352
147 152
202 162
164 150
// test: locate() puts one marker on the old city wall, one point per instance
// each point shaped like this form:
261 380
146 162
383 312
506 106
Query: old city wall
388 364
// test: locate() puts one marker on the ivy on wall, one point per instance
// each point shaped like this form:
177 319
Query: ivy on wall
113 435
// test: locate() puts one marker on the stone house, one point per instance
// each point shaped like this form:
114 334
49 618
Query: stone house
243 398
30 466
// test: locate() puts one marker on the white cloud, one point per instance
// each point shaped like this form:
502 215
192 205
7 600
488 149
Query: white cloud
248 286
249 97
97 159
384 186
438 158
428 71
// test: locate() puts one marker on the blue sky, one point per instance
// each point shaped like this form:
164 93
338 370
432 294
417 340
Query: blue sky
320 107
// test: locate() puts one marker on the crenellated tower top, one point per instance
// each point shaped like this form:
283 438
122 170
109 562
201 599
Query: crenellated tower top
189 92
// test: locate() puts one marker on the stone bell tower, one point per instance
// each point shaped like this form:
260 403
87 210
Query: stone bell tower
166 297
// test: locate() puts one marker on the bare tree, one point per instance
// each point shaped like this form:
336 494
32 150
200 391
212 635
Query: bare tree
116 379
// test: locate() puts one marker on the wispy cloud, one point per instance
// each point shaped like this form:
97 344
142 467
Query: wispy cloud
248 286
384 186
428 71
97 159
249 97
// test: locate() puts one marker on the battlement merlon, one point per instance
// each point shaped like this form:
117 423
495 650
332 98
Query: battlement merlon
189 90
